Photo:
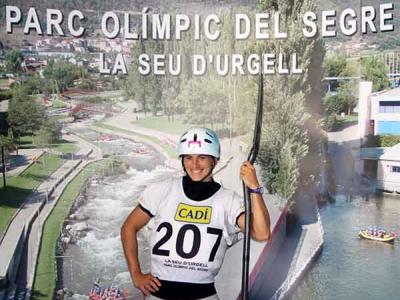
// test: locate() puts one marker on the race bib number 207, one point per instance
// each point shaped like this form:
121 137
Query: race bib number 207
191 215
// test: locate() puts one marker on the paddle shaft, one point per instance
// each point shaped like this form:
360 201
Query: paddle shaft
247 197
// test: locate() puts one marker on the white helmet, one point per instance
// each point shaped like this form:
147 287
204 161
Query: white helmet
199 140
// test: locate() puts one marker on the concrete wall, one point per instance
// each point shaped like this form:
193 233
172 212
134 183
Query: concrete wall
267 257
262 254
364 108
270 251
7 283
14 262
312 241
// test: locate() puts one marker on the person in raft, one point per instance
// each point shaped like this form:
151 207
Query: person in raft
195 220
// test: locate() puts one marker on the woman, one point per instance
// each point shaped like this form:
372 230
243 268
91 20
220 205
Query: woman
195 220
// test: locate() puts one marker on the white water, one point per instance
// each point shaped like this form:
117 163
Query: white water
99 254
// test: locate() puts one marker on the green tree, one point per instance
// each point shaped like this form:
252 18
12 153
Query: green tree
42 138
204 102
63 73
285 118
347 94
24 114
7 143
12 139
48 133
263 4
36 85
14 60
376 71
335 65
140 87
348 88
289 102
53 128
286 177
4 95
146 89
171 105
333 104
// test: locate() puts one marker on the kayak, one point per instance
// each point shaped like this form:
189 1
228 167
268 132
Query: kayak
388 238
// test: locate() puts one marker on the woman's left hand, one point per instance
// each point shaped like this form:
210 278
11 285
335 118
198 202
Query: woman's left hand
248 175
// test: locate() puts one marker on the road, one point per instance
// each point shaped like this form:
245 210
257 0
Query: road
344 145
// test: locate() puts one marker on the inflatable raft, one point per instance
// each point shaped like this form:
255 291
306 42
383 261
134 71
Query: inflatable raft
380 237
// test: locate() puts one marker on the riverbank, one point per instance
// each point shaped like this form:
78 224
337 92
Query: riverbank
307 252
19 247
44 285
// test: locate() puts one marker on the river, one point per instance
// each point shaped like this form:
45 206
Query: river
98 255
350 267
103 206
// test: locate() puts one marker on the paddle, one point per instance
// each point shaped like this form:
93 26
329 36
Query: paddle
247 199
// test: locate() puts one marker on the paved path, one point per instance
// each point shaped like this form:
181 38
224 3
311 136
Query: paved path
344 148
37 206
137 138
348 136
230 149
25 158
124 121
36 231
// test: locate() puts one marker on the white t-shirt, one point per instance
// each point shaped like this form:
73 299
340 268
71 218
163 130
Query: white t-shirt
189 238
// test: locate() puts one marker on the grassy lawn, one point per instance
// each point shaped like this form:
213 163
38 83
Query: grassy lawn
171 152
45 278
26 142
61 145
65 147
19 187
346 121
349 118
161 123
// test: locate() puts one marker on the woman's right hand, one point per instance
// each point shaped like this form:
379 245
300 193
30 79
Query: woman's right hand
146 283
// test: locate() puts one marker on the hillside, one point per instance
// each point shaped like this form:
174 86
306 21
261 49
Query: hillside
382 41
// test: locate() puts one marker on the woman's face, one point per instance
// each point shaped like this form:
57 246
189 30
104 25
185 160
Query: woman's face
198 166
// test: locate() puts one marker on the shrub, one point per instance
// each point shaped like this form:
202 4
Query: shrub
330 122
389 140
6 95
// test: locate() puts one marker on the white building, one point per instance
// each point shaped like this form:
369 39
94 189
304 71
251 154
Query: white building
379 114
388 176
385 112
